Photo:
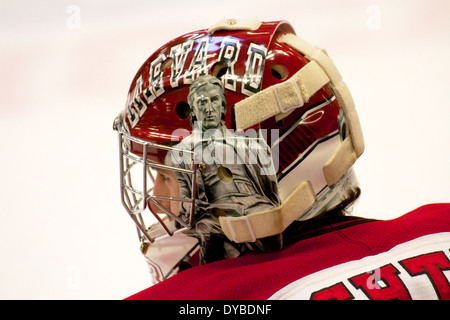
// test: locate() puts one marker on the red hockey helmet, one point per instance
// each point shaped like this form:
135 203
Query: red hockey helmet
273 83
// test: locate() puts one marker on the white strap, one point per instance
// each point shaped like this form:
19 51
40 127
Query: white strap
271 222
284 108
282 97
250 230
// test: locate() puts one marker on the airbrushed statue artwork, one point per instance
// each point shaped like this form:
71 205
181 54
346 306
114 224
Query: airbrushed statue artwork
236 173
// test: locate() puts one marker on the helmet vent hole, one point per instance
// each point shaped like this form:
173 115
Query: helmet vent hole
219 69
183 109
279 71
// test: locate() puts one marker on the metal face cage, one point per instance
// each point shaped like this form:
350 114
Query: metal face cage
137 177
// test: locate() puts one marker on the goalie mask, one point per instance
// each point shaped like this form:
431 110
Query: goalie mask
248 128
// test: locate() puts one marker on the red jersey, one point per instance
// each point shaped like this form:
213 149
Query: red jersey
349 258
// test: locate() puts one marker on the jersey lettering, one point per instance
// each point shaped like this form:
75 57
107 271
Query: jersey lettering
418 269
335 292
387 287
432 265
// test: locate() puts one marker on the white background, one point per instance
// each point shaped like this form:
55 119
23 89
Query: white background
66 67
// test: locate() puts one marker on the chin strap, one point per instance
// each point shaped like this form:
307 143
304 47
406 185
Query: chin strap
302 204
271 222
